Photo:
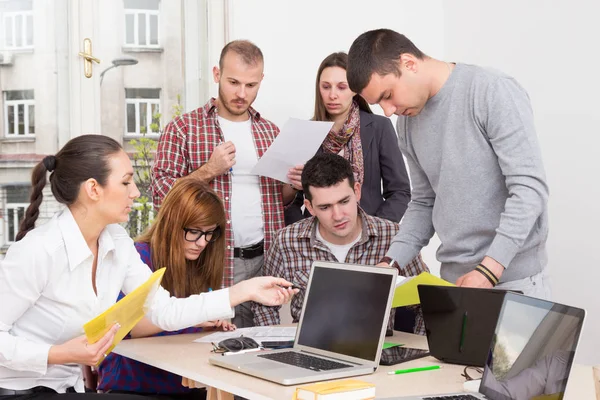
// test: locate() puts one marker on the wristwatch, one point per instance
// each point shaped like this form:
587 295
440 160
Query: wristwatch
388 260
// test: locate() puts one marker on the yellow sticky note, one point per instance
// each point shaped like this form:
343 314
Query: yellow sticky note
127 312
406 293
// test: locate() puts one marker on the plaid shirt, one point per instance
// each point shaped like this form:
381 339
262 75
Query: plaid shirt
187 144
296 247
121 373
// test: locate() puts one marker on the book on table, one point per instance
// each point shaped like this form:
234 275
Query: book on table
347 389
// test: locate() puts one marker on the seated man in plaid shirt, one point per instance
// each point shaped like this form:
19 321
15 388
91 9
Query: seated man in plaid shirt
338 231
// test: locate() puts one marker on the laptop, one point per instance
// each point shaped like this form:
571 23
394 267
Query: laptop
531 353
460 322
341 329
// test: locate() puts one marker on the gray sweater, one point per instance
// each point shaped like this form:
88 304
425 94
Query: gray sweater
477 175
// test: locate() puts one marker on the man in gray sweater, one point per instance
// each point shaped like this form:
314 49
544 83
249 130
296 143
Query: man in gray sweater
475 163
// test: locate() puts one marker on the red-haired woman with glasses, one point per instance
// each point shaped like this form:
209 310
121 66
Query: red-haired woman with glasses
188 236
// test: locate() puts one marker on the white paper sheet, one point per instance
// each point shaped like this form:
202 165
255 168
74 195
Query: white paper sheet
258 333
297 143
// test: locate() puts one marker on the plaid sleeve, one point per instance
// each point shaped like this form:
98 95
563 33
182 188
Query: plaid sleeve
414 267
171 161
274 266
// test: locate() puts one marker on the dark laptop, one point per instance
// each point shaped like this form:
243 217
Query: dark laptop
460 322
531 353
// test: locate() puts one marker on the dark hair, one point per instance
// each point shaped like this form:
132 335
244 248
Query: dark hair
191 203
325 170
82 158
377 51
249 52
339 59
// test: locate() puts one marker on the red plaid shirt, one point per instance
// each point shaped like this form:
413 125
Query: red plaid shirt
187 144
296 247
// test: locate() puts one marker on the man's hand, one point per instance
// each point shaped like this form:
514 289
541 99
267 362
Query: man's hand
222 159
223 325
476 279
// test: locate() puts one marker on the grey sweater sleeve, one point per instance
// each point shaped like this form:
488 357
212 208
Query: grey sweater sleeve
416 227
507 119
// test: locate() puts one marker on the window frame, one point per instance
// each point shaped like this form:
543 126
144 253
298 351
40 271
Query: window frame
149 117
13 16
15 104
14 206
136 40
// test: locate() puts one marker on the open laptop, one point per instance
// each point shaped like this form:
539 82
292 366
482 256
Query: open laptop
460 322
340 332
531 353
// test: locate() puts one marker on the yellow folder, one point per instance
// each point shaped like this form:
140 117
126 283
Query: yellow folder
127 312
406 293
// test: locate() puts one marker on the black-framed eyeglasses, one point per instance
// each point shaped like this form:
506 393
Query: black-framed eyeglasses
235 344
192 235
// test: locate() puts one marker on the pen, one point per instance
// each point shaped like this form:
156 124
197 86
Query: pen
462 332
230 169
230 353
406 371
294 286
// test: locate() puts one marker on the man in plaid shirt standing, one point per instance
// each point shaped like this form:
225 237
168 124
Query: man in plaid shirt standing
338 231
219 143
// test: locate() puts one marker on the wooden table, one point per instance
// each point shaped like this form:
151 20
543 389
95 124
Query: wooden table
180 355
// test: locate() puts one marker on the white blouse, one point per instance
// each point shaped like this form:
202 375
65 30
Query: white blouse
46 296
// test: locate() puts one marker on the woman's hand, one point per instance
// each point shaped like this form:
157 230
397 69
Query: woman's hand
79 351
223 325
266 290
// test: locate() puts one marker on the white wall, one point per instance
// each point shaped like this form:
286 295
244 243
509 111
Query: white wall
549 46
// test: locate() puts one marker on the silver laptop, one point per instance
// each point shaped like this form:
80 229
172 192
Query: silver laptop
531 352
341 329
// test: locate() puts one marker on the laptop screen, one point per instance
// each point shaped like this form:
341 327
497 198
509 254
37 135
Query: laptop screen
345 311
532 350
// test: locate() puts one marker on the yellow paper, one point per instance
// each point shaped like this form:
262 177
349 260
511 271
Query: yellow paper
555 396
406 294
346 385
127 312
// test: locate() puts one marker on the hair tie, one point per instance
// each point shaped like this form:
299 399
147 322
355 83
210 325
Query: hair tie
49 163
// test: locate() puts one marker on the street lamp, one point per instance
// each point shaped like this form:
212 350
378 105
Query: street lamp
118 62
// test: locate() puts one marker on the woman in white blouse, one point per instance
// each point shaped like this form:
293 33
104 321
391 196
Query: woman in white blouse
60 275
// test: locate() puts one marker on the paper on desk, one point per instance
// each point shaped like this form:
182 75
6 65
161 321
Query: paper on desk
258 333
406 293
297 143
127 312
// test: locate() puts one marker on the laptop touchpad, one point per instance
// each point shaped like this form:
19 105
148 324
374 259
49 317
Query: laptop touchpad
263 365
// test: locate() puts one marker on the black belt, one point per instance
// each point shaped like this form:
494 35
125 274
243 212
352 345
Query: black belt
249 252
37 389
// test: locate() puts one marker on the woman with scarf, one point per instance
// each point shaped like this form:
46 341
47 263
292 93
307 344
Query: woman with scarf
367 140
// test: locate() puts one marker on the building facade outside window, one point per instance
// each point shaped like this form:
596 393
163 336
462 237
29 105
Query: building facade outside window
141 23
17 201
19 113
143 112
17 22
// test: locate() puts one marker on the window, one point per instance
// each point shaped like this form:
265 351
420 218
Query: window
19 115
143 114
141 23
17 201
18 25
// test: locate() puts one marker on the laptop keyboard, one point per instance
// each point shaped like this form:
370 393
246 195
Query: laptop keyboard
304 361
454 397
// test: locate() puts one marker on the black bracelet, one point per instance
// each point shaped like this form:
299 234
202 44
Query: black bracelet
482 269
